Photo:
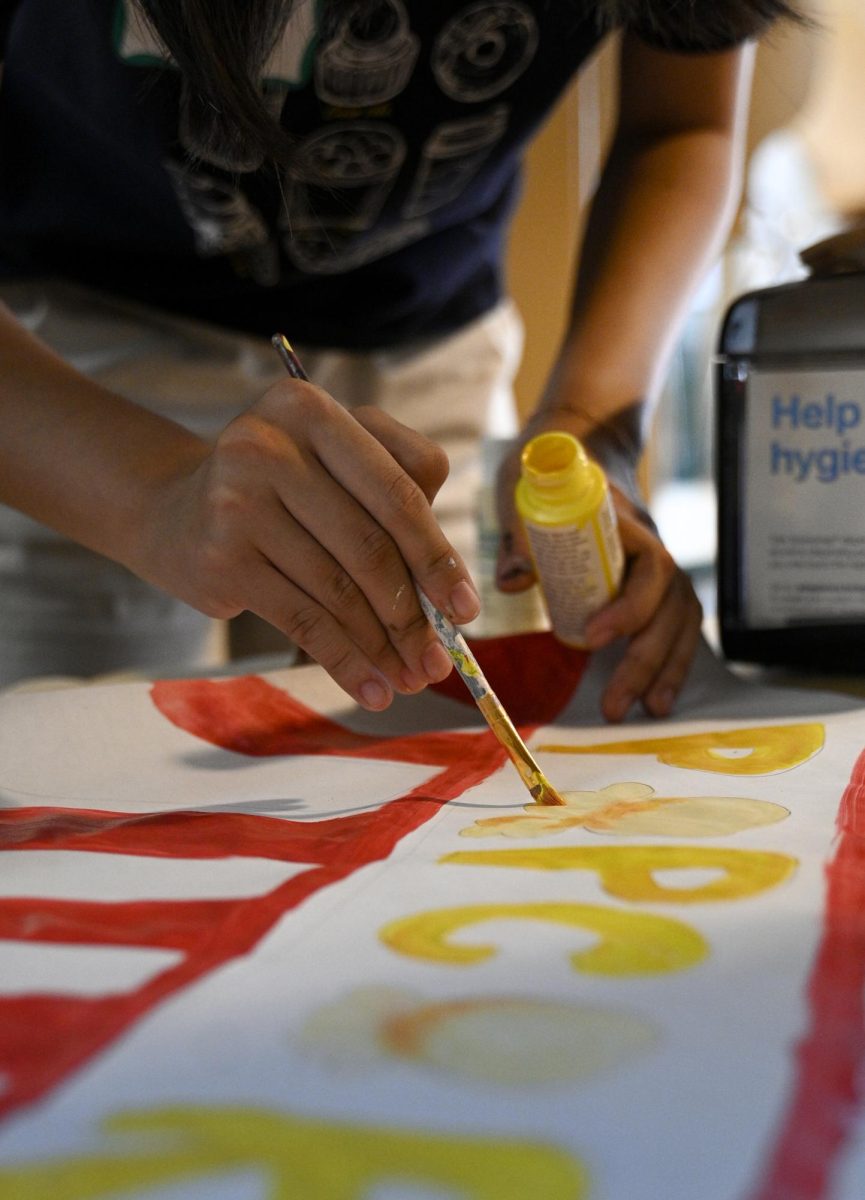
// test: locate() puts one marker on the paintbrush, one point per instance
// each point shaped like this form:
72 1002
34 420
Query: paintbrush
540 789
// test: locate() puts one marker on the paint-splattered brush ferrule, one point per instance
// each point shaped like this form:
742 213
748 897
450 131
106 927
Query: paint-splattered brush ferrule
290 361
540 788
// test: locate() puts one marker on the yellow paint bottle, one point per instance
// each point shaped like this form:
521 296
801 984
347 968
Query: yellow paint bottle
565 504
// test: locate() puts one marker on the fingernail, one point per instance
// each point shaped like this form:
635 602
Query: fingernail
465 602
410 681
436 662
374 694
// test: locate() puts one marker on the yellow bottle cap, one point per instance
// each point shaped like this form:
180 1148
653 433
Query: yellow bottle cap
552 460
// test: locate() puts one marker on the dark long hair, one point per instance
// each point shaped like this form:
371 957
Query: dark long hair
701 22
221 46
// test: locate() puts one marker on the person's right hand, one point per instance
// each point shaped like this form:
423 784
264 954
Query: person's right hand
320 522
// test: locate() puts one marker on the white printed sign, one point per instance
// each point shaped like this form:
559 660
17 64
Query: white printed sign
804 497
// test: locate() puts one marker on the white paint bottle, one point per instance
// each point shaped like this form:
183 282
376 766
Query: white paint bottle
567 510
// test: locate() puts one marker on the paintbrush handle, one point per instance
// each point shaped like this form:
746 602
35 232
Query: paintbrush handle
457 647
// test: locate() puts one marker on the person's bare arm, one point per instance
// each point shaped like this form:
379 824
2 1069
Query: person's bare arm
660 216
317 520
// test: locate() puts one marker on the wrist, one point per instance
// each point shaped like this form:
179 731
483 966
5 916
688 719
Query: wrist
155 488
615 440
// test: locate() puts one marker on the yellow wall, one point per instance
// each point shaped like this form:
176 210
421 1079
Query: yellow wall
561 170
543 244
831 117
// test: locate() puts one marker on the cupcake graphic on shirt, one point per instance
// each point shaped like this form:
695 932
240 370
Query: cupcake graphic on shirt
369 58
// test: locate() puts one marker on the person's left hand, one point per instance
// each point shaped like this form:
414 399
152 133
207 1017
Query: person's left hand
656 609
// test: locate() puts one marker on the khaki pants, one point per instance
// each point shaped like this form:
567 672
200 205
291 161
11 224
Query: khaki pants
65 610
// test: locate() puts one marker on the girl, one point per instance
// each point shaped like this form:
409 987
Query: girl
180 179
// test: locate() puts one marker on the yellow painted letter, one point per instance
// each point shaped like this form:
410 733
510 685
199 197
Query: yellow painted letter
298 1158
756 751
626 871
630 943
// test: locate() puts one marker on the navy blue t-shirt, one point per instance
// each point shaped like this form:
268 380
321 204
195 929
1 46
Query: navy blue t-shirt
389 225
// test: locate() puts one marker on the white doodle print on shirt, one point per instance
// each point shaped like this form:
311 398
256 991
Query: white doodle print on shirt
484 49
479 53
346 169
370 57
335 190
221 217
451 157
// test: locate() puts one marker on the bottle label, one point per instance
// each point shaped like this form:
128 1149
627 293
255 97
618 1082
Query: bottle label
580 569
803 476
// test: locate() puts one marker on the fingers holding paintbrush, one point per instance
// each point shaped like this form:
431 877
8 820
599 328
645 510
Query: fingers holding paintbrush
387 476
409 449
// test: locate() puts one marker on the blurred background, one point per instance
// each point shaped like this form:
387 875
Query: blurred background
805 180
